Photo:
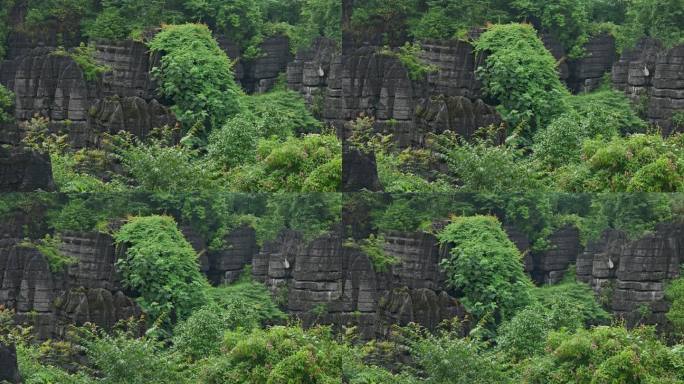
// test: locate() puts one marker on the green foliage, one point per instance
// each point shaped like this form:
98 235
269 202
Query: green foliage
156 166
409 55
74 216
675 294
5 8
578 296
63 15
49 247
120 19
567 20
161 266
123 358
447 358
195 75
317 18
521 75
449 19
279 355
247 302
284 112
310 214
34 371
84 56
480 165
373 247
485 267
661 19
6 105
299 164
235 143
637 163
389 18
605 355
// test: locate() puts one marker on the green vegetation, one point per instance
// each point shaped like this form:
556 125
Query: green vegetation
521 74
49 248
373 248
162 267
485 266
6 105
196 75
84 56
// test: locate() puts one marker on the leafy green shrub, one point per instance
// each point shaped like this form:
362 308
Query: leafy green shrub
521 75
573 294
605 355
481 166
6 105
49 247
409 55
609 107
64 16
161 266
284 113
449 19
248 303
195 75
317 18
638 163
661 19
485 267
280 355
156 167
675 294
436 356
310 163
84 56
33 370
373 247
235 143
567 20
123 358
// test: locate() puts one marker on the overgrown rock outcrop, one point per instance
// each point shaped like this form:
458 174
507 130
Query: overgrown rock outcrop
51 298
653 77
56 87
630 275
24 170
9 372
324 281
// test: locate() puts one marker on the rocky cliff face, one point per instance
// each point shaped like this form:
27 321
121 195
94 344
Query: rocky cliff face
653 77
56 87
9 372
380 86
324 281
50 300
630 275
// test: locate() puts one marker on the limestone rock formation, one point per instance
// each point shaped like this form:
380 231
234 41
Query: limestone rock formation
586 73
9 372
653 77
630 275
324 281
24 170
51 300
55 86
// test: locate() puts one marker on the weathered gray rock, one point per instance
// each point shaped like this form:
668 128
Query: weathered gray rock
326 282
52 300
9 371
551 265
653 77
55 86
24 170
586 73
227 264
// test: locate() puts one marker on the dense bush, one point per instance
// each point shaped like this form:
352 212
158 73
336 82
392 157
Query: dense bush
485 267
661 19
6 105
449 19
605 355
161 267
675 294
521 75
195 75
637 163
307 164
